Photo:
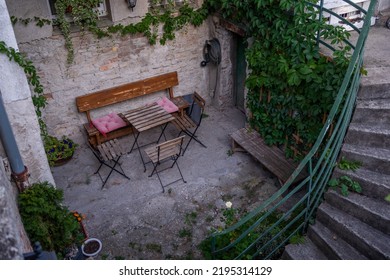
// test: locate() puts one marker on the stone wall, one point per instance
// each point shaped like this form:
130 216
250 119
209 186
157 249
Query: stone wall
108 62
383 5
11 243
20 110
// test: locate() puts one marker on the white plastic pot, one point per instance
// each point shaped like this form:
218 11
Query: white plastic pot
84 247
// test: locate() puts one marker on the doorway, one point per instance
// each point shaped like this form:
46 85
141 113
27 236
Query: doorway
239 68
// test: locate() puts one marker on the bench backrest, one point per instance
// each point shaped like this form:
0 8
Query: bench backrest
109 96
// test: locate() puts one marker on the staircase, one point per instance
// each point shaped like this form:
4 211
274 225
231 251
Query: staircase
357 226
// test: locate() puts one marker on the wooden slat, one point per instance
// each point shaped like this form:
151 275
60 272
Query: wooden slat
272 158
167 149
102 152
91 130
148 117
128 91
183 122
110 150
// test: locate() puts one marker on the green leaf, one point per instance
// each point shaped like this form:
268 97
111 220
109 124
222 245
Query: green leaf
333 183
344 190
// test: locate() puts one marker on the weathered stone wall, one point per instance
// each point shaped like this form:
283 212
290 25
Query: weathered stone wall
20 110
30 9
108 62
383 5
11 244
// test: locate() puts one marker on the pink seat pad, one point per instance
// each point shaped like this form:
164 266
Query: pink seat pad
108 123
167 105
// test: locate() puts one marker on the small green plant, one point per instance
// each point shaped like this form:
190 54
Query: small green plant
185 232
297 239
346 184
154 247
346 164
46 220
209 219
191 218
387 198
229 214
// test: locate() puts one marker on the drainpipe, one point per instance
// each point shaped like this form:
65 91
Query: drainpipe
19 171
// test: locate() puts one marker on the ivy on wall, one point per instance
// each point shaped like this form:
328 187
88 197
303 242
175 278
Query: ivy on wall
81 13
291 86
29 69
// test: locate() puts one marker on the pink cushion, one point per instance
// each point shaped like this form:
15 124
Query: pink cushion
108 123
167 105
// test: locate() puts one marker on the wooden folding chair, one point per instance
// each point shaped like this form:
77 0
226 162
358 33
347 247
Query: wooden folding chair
169 150
190 121
110 151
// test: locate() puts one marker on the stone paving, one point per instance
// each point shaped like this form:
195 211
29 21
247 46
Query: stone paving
135 220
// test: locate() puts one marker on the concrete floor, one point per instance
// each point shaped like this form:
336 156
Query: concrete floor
135 220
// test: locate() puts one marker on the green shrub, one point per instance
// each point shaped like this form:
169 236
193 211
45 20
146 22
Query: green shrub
46 220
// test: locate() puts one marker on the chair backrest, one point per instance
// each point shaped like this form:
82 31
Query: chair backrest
169 148
197 108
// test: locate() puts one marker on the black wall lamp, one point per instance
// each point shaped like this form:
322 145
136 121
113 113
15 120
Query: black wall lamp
131 4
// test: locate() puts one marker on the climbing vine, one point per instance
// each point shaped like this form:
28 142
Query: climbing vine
291 86
38 99
170 23
82 14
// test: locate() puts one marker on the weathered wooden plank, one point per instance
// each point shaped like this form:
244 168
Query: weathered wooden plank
167 149
127 91
272 158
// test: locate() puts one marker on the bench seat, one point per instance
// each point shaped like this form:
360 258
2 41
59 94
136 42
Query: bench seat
271 157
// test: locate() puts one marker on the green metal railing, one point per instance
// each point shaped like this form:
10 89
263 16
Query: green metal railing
253 233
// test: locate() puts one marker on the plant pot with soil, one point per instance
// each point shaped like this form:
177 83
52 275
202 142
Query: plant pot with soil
91 247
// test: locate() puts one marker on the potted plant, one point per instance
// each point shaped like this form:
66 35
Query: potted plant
58 151
91 247
46 220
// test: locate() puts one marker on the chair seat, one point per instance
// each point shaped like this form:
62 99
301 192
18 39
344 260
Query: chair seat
183 122
110 150
109 154
152 153
164 152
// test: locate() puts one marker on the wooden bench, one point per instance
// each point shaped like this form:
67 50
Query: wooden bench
271 158
87 103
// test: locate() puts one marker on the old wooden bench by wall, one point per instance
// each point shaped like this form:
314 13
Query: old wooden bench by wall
89 102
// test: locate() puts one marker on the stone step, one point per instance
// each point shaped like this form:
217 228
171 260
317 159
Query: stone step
369 241
375 111
374 212
373 184
304 251
370 135
333 247
374 159
376 84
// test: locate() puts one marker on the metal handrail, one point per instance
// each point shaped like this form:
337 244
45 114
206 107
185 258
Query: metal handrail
320 167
